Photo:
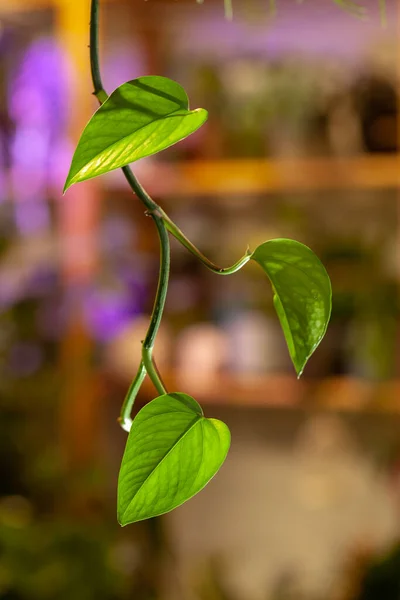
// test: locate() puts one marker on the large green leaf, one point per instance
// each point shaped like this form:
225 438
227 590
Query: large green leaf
302 295
140 118
171 454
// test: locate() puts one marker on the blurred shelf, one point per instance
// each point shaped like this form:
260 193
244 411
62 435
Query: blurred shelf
335 394
256 176
243 390
241 177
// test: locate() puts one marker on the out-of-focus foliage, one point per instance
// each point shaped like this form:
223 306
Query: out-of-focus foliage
355 8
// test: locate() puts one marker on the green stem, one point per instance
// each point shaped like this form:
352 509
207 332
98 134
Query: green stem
99 91
141 193
151 368
162 287
163 224
125 416
180 236
147 363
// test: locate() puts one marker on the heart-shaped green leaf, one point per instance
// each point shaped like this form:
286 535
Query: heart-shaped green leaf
140 118
172 452
302 295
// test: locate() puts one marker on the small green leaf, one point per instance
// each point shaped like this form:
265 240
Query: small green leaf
302 295
172 452
140 118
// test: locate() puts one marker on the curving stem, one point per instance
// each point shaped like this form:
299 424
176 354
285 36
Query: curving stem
147 363
164 225
125 417
180 236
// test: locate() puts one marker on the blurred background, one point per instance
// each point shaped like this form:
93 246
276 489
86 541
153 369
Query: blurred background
302 141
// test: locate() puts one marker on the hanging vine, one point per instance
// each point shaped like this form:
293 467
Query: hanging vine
173 450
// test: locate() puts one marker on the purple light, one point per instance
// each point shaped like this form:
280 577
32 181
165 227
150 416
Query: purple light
107 313
38 92
31 146
37 105
32 217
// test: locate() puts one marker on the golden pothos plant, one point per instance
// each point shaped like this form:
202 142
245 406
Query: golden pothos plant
173 450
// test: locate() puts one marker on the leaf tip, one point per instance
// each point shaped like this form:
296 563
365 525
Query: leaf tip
120 518
201 112
68 183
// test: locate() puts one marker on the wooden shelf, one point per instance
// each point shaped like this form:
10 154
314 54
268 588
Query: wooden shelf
256 176
336 394
236 177
242 390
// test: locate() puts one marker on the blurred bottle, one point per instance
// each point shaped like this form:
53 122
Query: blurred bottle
344 126
255 342
375 100
244 115
201 355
